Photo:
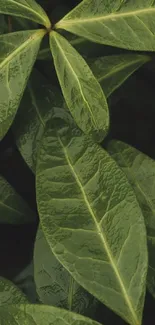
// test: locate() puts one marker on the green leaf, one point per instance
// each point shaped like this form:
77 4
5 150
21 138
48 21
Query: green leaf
10 294
28 9
41 315
126 24
82 92
140 171
112 71
91 219
55 286
36 107
13 209
18 53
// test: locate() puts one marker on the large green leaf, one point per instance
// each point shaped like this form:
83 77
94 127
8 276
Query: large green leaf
35 109
140 171
55 285
13 209
29 9
126 24
18 53
91 219
10 294
81 90
40 315
112 71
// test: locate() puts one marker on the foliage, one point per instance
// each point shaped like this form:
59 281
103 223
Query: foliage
63 76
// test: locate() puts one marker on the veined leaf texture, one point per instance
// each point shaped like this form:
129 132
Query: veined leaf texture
91 219
126 24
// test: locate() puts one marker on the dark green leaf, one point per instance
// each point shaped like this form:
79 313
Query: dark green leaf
10 294
140 171
126 24
82 92
55 285
36 107
41 315
28 9
13 209
91 219
18 53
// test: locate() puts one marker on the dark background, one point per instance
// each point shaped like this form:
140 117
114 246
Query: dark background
132 111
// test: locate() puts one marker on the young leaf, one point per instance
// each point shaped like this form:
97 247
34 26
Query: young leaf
41 315
112 71
17 56
13 209
55 286
28 9
126 24
10 294
140 171
91 219
35 109
82 92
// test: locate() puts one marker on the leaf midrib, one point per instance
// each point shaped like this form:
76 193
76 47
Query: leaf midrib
30 9
74 74
19 49
100 233
116 15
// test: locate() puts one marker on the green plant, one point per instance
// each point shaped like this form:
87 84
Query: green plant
95 238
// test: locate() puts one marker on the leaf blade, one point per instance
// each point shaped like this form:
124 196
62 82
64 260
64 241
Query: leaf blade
28 9
10 294
77 82
18 54
86 248
103 22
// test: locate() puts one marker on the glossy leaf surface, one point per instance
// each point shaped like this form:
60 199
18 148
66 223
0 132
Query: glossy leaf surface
126 24
10 294
91 219
55 285
29 9
112 71
13 209
140 171
18 54
81 90
40 315
36 107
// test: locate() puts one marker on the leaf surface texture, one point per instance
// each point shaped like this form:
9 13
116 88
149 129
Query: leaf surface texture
91 219
10 294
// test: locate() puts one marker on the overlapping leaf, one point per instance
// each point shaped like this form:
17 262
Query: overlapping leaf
29 9
126 24
18 54
13 209
91 219
140 171
10 294
55 285
41 315
81 90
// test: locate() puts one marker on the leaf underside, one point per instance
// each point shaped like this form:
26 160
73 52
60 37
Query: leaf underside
126 24
77 180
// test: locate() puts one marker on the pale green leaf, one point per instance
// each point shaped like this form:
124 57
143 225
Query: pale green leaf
18 53
126 24
140 171
81 90
10 294
112 71
91 219
28 9
13 209
41 315
36 107
55 286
